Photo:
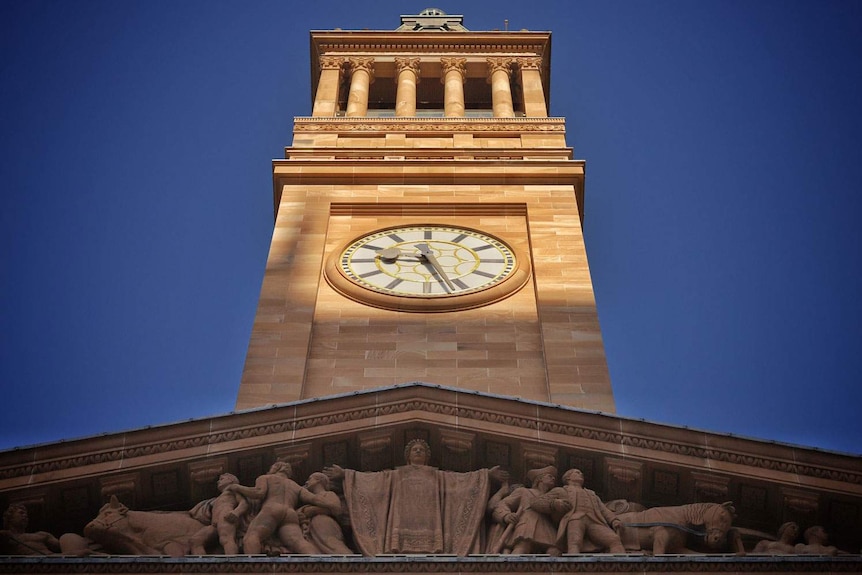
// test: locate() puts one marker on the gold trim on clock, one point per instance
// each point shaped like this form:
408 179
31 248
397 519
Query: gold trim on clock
426 268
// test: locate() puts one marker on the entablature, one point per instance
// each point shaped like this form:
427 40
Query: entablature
492 43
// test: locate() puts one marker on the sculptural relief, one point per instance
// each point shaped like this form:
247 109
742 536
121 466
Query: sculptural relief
279 496
412 509
225 513
581 515
816 541
120 530
663 529
787 535
404 511
14 539
527 530
321 520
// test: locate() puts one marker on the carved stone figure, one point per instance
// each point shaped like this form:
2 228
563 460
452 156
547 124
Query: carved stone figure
14 540
405 510
279 496
815 543
584 516
120 530
225 512
663 529
787 534
321 519
528 530
494 537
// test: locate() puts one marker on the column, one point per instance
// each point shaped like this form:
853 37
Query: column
326 98
361 76
454 71
408 77
531 84
501 91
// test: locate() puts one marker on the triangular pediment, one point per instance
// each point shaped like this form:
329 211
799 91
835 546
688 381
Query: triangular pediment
173 467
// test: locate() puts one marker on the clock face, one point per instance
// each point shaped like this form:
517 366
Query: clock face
446 267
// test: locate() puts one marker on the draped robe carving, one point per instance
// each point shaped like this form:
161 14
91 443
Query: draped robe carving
417 509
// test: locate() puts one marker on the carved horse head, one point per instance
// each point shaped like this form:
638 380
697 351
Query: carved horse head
717 520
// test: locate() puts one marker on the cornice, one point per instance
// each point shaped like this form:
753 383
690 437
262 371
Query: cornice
388 42
406 125
528 420
345 153
436 564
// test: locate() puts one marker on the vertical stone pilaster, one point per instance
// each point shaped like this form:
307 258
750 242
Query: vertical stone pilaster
454 72
457 450
536 456
531 85
407 79
800 505
710 488
624 479
298 456
501 90
361 77
326 98
203 477
375 450
125 487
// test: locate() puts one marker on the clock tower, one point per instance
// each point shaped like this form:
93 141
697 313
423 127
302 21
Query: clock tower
428 282
428 226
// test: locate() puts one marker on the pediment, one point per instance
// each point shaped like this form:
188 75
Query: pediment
173 467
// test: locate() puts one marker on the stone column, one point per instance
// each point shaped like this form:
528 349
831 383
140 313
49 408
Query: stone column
408 78
454 72
531 84
361 77
326 98
501 90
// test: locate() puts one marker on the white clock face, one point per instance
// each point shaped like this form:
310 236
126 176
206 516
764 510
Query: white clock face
427 261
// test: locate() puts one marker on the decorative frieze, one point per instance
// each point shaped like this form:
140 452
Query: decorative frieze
207 471
537 456
124 487
430 125
709 487
375 450
800 501
458 449
624 479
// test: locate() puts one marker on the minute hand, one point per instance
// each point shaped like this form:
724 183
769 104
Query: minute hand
426 253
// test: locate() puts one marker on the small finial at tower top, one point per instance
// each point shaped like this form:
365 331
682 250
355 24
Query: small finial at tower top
432 19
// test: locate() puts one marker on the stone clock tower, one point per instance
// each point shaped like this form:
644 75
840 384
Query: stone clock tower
426 301
428 226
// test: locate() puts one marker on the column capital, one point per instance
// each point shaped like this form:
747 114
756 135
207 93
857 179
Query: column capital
456 64
331 62
362 63
402 62
499 65
407 63
529 63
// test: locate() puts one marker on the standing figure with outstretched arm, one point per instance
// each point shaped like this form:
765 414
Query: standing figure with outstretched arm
417 508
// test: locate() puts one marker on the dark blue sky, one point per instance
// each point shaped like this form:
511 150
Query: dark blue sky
723 143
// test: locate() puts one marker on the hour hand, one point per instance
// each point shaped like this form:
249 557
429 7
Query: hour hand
428 255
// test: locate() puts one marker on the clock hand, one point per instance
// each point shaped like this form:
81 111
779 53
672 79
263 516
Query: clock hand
426 253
